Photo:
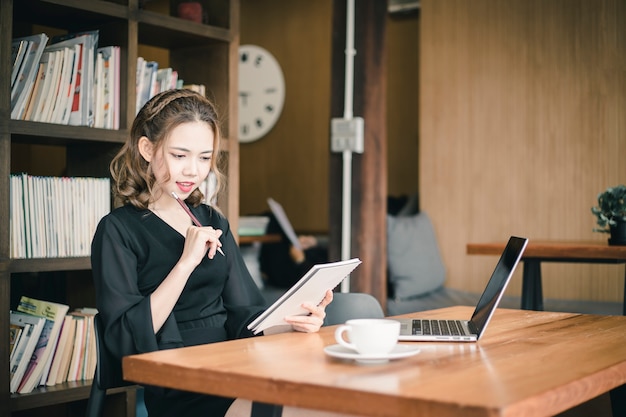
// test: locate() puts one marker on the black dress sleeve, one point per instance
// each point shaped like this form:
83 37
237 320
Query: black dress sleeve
125 312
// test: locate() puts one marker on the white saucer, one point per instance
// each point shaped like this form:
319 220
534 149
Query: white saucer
398 352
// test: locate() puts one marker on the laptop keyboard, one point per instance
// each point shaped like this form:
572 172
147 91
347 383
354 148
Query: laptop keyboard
439 327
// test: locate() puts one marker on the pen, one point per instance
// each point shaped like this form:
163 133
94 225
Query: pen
193 218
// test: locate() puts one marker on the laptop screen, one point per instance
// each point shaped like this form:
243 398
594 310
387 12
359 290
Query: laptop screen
497 283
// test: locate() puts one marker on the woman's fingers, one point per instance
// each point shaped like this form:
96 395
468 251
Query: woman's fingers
212 240
203 240
315 320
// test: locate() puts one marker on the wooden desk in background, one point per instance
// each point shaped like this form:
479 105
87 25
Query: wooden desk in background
553 251
249 239
526 364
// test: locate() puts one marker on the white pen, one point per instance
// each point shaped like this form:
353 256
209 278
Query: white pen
193 218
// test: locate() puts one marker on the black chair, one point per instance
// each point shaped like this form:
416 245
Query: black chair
352 305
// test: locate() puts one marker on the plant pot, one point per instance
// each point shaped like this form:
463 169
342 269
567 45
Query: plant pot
618 234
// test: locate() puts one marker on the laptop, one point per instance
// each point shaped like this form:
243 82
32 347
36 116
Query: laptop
461 330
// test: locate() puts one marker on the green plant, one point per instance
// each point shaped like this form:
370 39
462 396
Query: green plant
611 208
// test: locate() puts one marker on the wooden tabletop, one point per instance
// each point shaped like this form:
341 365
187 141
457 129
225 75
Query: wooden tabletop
580 250
527 363
267 238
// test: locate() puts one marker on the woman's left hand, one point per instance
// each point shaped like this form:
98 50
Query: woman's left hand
312 322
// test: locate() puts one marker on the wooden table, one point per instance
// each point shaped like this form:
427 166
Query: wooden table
553 251
528 363
267 238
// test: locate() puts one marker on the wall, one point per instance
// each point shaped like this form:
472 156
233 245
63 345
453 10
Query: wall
290 164
523 123
402 103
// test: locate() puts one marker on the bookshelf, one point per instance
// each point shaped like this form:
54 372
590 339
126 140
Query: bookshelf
201 53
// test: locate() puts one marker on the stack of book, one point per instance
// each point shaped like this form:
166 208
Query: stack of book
55 216
151 80
69 80
50 345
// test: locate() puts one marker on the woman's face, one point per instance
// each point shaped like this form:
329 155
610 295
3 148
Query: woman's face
186 157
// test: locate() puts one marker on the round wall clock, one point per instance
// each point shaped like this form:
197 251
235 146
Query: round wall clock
261 92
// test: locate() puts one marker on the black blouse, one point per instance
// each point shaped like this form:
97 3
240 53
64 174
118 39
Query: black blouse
134 250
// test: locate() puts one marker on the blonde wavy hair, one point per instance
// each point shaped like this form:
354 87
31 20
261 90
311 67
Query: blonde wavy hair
133 179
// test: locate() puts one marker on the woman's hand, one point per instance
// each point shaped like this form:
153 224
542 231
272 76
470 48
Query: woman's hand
312 322
197 241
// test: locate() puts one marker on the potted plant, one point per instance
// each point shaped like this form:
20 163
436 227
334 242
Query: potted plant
611 214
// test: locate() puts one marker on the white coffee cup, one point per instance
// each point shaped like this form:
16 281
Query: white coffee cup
369 336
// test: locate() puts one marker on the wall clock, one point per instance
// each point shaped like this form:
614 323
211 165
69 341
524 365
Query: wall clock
261 92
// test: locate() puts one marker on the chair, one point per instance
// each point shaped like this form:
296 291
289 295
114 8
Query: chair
354 305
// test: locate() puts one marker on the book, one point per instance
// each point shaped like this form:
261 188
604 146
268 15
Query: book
91 354
51 227
76 95
19 70
88 359
36 359
283 221
60 94
57 352
20 347
78 350
164 79
47 104
18 51
64 364
311 287
37 87
116 88
141 65
55 363
98 88
148 82
15 332
48 60
107 76
70 93
54 314
83 104
22 359
252 225
26 75
198 88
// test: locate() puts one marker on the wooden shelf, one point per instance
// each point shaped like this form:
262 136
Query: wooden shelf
202 54
50 264
58 394
53 134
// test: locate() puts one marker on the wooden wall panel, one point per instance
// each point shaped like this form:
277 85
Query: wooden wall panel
290 163
402 103
522 124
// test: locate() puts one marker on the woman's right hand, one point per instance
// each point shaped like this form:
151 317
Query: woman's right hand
198 241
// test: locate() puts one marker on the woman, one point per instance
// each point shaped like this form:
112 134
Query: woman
160 281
